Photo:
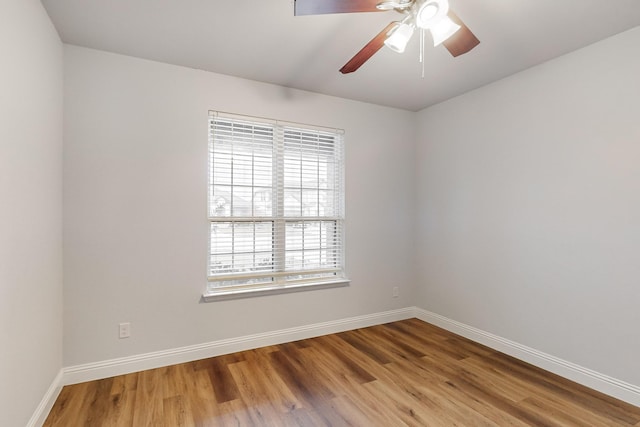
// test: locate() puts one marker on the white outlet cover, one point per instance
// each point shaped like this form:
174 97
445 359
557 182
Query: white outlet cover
124 330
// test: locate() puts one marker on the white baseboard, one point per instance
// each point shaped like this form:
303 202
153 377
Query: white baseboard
125 365
42 411
108 368
587 377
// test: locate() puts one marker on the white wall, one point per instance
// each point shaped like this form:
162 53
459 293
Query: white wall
135 228
529 207
30 208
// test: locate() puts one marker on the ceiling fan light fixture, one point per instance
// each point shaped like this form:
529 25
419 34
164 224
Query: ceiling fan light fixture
429 12
399 37
443 29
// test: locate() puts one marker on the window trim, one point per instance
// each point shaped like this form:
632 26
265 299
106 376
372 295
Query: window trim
224 294
213 293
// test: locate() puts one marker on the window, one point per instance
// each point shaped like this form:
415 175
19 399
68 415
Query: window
276 206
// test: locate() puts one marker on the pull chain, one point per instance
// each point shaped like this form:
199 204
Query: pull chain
422 50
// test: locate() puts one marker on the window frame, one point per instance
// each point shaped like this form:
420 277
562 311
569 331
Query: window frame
278 278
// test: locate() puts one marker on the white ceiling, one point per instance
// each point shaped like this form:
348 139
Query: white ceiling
262 40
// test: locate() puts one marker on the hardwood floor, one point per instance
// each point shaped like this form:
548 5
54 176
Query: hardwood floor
406 373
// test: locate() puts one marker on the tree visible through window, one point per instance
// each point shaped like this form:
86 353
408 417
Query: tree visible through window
276 204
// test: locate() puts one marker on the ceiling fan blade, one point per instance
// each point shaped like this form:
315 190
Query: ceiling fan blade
463 40
368 50
318 7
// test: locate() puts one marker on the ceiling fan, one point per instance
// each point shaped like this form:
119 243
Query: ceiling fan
433 15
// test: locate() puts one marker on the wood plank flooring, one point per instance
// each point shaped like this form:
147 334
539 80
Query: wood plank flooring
406 373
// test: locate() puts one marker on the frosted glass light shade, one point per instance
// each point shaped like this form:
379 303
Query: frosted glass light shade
399 38
443 29
429 12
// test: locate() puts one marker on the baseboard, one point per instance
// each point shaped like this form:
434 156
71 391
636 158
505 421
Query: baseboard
125 365
108 368
42 411
587 377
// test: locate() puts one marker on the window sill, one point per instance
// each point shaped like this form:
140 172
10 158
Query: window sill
229 294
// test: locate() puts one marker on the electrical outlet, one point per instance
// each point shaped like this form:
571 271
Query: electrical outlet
396 292
125 330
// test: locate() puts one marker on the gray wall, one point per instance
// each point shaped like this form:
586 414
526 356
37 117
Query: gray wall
30 208
513 208
529 207
135 225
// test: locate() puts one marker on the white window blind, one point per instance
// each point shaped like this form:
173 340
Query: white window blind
276 204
